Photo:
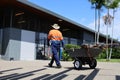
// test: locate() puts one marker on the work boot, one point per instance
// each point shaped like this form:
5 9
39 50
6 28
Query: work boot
59 66
50 65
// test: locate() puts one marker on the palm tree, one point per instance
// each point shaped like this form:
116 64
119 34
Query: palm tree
111 4
98 5
107 21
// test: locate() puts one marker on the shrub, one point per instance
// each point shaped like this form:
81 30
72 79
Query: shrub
69 46
115 53
65 55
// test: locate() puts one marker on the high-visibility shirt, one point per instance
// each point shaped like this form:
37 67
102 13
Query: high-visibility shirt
55 34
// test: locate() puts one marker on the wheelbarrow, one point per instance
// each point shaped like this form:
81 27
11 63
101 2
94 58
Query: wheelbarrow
85 55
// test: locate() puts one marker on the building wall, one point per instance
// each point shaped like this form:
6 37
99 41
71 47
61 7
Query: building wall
0 41
5 43
18 44
11 44
28 51
19 38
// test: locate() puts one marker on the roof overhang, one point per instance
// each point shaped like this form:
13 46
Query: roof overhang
49 15
45 14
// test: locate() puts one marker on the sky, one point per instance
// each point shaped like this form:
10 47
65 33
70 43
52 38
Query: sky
81 12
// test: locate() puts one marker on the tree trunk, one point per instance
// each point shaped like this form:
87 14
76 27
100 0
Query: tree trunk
107 42
112 35
98 26
107 54
95 25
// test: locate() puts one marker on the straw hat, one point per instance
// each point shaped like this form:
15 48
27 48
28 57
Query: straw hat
55 26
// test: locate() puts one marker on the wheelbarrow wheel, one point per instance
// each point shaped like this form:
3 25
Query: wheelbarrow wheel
77 64
93 64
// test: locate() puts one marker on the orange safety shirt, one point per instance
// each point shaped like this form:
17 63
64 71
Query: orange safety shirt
55 35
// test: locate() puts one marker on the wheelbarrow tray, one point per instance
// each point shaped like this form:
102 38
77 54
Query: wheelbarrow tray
84 52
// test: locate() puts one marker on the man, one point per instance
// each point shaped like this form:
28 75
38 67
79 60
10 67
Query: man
56 40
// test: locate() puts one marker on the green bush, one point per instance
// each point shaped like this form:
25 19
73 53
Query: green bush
65 55
69 46
102 55
115 53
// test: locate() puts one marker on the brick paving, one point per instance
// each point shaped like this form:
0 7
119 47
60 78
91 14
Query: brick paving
39 70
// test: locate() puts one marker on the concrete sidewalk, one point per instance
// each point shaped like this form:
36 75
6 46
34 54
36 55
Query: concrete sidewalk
39 70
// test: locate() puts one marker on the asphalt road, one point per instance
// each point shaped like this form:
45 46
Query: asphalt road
39 70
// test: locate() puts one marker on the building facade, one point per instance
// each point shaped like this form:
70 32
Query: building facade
24 28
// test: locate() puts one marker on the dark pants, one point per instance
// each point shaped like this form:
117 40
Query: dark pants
55 46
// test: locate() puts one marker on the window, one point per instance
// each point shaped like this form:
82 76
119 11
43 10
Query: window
43 38
73 41
65 40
